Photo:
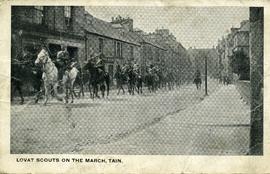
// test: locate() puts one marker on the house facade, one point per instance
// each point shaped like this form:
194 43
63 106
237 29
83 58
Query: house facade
176 58
241 38
53 26
151 53
116 47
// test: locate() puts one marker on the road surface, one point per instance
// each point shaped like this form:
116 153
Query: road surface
166 122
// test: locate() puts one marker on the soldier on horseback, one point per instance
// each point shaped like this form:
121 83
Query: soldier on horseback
99 64
63 61
119 76
197 79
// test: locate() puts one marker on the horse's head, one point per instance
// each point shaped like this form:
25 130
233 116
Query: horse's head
42 57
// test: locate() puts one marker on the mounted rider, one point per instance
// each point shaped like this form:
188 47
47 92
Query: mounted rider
197 74
99 64
63 61
136 68
127 68
197 78
151 69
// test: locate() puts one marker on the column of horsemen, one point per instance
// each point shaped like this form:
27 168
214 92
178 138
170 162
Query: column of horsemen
92 75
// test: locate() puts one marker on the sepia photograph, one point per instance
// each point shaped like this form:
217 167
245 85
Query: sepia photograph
137 80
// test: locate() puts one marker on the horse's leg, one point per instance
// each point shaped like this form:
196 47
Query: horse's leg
121 87
102 89
21 95
13 90
19 87
65 91
96 91
118 87
72 91
72 84
82 88
108 88
37 96
46 88
89 88
137 88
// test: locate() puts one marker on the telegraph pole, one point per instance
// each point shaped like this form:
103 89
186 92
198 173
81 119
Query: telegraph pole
205 80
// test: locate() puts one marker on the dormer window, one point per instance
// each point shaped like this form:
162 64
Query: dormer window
67 14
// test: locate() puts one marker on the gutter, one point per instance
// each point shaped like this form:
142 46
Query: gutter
88 32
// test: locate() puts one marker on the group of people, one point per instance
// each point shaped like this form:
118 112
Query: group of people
131 74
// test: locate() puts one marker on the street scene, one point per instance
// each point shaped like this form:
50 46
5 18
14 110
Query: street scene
136 80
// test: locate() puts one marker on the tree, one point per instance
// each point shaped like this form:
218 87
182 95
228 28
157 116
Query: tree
240 65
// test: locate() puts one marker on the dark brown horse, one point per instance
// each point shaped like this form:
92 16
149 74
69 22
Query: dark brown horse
97 79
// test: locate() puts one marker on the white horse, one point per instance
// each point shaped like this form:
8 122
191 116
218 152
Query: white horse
68 81
49 76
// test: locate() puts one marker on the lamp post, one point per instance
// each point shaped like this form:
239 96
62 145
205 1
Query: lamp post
205 80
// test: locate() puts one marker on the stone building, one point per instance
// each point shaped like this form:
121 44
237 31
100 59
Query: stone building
116 46
241 38
33 26
176 58
222 62
229 47
225 49
241 51
150 51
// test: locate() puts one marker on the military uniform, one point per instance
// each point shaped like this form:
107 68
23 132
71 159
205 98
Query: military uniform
100 64
64 62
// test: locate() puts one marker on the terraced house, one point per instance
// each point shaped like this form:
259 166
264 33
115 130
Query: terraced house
150 51
33 26
84 36
116 46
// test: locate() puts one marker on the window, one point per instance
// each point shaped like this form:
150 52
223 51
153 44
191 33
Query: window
131 52
67 14
101 45
117 49
121 50
38 14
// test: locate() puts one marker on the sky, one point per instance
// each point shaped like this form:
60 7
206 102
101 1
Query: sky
199 27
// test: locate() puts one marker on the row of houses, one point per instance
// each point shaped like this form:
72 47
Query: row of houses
233 51
85 35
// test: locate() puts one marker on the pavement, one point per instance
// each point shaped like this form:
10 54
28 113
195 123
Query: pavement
181 121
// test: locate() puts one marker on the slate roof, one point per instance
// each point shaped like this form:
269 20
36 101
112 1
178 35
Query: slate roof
107 29
103 28
144 39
